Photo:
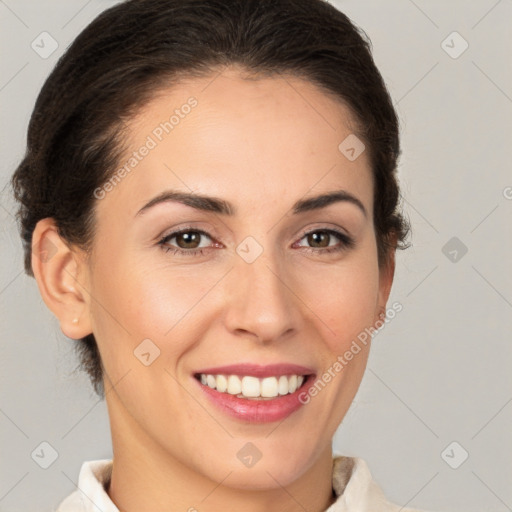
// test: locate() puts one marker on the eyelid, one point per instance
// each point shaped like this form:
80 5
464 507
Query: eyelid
346 241
323 227
302 234
187 229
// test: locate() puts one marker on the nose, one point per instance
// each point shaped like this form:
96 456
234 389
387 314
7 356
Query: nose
261 304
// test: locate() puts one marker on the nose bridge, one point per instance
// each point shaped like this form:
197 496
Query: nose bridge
261 302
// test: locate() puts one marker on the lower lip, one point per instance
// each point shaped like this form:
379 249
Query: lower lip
256 411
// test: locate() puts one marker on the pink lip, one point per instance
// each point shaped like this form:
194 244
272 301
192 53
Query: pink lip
255 370
257 411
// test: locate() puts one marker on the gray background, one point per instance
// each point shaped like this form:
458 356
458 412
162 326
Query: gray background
438 373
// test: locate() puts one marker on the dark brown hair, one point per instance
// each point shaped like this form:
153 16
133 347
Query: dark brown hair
118 62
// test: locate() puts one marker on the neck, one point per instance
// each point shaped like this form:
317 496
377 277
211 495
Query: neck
146 478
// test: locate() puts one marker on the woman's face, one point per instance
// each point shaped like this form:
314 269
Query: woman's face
255 286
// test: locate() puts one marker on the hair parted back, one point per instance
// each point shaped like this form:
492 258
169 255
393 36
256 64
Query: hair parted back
130 51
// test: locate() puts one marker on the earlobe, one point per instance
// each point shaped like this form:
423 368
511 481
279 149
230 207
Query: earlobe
60 274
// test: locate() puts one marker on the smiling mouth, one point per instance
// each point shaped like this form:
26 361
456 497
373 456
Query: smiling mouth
253 388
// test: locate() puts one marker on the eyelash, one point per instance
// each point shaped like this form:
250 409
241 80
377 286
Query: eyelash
346 242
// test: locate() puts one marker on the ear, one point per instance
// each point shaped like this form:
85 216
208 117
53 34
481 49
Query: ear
386 275
61 274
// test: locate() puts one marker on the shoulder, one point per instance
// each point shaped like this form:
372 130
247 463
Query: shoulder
356 490
90 493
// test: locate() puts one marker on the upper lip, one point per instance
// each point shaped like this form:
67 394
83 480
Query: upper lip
256 370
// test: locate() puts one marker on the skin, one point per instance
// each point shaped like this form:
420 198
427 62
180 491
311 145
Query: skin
261 145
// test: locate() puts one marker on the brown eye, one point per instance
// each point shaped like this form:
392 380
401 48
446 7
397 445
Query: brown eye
319 239
188 240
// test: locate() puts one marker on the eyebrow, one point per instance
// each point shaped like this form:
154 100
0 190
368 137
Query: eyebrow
217 205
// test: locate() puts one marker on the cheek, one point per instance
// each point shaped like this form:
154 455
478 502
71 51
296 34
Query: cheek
147 298
344 299
166 300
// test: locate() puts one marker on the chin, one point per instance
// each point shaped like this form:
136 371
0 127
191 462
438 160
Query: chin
268 469
264 477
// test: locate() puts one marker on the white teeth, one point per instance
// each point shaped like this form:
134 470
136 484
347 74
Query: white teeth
282 387
222 383
253 387
292 383
234 385
211 382
269 387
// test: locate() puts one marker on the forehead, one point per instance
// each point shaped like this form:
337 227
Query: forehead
237 137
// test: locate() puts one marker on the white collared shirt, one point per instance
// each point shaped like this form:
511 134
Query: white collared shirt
352 481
